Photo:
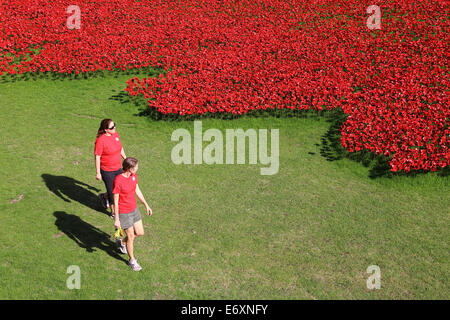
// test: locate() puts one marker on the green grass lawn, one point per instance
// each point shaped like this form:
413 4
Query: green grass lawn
217 231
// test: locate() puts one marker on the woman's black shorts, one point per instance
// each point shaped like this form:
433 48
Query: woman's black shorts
108 178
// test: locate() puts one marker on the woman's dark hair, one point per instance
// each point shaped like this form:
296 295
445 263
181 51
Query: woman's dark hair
129 163
103 126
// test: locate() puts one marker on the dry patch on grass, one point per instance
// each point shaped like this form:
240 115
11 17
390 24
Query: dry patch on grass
20 197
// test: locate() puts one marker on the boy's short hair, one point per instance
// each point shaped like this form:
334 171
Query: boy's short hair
129 163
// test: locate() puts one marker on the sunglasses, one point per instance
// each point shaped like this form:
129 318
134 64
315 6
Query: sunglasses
112 127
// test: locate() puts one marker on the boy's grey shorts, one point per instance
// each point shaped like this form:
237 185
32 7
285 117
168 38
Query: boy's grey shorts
127 220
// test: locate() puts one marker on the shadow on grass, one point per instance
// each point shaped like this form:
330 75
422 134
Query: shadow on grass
445 172
86 235
69 189
332 149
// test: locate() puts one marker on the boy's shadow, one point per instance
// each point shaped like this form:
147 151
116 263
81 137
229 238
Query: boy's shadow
68 188
86 235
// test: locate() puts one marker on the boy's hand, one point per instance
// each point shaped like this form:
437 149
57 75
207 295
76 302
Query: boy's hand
149 211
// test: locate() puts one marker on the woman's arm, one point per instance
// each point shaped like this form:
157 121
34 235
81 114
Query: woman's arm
97 168
122 153
141 197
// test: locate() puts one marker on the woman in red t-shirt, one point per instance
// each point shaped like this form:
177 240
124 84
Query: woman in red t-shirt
108 159
128 216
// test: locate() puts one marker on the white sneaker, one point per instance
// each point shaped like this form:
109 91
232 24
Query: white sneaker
107 202
122 246
134 265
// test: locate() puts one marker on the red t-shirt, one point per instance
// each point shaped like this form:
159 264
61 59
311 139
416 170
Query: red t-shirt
126 188
109 149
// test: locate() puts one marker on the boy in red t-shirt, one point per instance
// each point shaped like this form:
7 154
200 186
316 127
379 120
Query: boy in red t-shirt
127 212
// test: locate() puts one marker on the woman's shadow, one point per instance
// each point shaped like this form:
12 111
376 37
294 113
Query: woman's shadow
86 235
70 189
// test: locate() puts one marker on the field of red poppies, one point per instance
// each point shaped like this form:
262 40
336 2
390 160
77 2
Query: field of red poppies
238 56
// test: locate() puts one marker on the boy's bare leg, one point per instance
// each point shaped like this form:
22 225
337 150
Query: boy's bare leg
129 241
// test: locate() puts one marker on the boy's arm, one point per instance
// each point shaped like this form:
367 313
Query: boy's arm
142 199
